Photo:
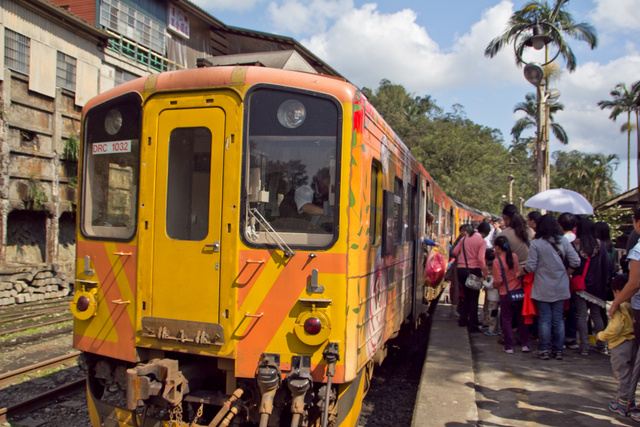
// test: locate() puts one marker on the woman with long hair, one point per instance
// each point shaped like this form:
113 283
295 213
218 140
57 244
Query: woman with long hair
517 232
603 233
548 254
505 279
470 256
596 273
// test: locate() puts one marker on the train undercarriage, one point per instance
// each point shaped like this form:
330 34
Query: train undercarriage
182 389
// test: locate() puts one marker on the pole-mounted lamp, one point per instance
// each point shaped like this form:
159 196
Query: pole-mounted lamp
538 37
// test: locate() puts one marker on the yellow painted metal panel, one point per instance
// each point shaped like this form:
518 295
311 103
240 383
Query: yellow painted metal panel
186 278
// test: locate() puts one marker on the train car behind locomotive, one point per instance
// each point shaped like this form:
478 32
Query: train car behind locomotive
248 242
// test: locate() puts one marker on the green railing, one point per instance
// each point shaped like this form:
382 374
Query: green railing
140 54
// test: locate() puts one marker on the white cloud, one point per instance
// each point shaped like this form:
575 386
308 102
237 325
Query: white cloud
307 16
218 5
366 46
618 14
589 128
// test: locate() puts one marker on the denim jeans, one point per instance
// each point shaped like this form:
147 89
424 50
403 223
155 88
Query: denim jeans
550 325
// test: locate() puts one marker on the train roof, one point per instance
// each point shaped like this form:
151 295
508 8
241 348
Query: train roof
229 76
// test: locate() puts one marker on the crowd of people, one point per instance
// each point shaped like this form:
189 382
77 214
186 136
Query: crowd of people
549 278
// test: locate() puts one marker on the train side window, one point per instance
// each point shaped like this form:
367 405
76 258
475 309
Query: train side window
188 183
398 207
412 214
392 224
373 199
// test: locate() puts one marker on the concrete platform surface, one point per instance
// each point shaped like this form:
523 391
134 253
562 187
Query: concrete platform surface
467 380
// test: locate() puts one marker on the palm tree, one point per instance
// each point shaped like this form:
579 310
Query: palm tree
530 120
624 101
540 11
588 174
534 12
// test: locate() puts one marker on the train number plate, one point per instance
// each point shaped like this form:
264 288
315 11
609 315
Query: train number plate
111 147
183 331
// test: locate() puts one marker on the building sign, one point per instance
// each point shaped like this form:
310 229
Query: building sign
178 21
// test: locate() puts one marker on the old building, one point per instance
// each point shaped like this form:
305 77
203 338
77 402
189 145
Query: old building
57 55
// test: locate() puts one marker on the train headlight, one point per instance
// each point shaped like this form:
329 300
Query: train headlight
313 327
291 113
113 122
84 305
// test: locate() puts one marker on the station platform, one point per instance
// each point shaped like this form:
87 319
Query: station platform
467 380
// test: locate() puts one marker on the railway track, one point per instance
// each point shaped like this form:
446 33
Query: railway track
46 397
34 325
15 312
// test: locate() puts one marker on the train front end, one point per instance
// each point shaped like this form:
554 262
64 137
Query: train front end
201 296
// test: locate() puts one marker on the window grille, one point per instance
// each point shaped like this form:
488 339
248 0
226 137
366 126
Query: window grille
16 51
66 72
133 24
123 76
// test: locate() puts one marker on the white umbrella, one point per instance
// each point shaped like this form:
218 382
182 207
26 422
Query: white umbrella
561 200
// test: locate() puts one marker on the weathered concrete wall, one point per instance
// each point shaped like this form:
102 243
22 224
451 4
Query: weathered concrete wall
37 243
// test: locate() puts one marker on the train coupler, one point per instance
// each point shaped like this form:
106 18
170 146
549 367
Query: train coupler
159 377
299 381
268 378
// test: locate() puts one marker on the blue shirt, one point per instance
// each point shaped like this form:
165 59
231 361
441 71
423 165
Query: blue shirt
634 254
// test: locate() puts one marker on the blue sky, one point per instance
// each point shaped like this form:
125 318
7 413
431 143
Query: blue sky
437 48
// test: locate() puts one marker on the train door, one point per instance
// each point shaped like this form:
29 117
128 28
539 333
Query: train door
187 226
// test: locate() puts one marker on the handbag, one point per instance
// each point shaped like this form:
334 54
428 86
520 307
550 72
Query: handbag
515 296
576 283
473 282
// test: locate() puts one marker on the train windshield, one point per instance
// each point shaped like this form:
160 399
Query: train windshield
111 169
291 180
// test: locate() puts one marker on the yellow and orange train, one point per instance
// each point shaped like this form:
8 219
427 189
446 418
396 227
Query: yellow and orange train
249 240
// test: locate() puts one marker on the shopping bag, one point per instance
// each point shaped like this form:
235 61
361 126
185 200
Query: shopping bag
435 267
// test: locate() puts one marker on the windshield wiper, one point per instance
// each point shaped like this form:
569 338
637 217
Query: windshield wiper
288 252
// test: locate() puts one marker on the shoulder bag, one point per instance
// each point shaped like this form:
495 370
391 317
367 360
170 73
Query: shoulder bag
515 296
576 283
473 282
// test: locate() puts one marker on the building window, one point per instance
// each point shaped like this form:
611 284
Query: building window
122 76
66 72
16 51
133 24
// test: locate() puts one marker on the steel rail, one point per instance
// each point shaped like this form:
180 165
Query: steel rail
8 377
37 325
37 402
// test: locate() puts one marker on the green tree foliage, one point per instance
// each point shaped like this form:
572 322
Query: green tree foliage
589 174
469 161
530 119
